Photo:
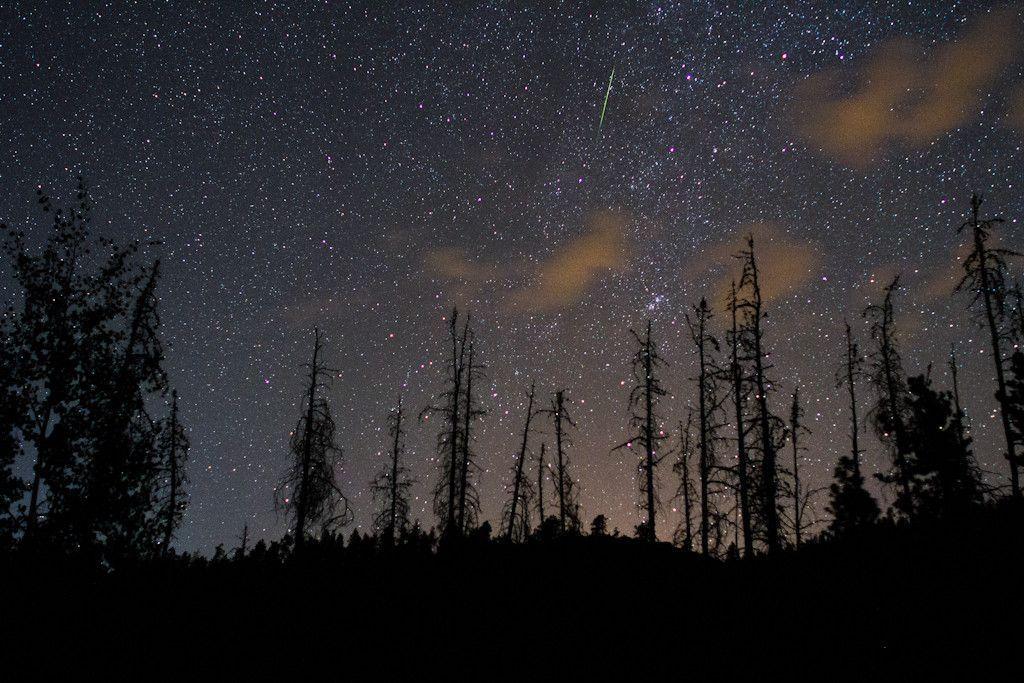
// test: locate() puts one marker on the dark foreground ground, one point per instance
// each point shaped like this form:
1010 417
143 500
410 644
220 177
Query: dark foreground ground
900 601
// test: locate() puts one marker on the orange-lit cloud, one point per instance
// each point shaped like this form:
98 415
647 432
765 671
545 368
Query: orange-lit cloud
786 263
558 281
1016 113
565 276
909 95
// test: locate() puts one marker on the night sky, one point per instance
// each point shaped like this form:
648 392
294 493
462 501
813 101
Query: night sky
362 168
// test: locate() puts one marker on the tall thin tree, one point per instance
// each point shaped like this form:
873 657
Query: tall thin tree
174 447
706 345
448 409
517 518
739 393
767 426
851 506
469 499
568 518
643 406
309 490
686 492
985 277
889 378
391 486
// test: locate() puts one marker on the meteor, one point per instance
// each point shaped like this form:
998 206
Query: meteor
604 106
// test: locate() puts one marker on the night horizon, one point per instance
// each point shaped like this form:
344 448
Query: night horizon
365 170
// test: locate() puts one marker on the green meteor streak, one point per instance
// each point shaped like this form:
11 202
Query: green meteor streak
604 107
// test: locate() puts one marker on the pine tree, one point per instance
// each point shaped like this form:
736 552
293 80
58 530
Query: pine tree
308 490
985 277
391 486
889 412
946 479
643 407
851 506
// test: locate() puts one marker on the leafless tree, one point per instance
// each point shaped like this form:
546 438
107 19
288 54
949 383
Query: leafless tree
985 277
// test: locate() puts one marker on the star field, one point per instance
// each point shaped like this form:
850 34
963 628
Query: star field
362 168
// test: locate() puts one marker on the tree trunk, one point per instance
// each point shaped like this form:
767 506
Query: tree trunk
997 356
743 474
519 467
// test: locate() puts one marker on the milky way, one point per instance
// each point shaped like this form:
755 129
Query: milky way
362 169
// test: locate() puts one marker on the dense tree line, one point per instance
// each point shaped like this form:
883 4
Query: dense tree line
84 396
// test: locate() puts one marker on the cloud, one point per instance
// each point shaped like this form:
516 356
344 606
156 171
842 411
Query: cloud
452 263
555 282
786 263
1016 113
907 95
564 277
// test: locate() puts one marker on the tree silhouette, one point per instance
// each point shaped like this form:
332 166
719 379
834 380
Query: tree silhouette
686 491
391 486
889 412
446 491
174 447
11 487
739 394
851 506
985 277
568 508
85 343
308 490
517 514
768 427
644 418
959 417
469 498
708 406
542 467
801 497
946 480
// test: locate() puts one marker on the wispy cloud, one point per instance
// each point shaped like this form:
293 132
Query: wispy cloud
556 281
907 94
786 263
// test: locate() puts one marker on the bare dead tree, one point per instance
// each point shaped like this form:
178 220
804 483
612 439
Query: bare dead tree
469 498
517 517
568 508
391 486
767 424
309 490
448 409
985 277
801 497
643 405
707 403
174 445
889 378
958 412
541 469
739 394
686 490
